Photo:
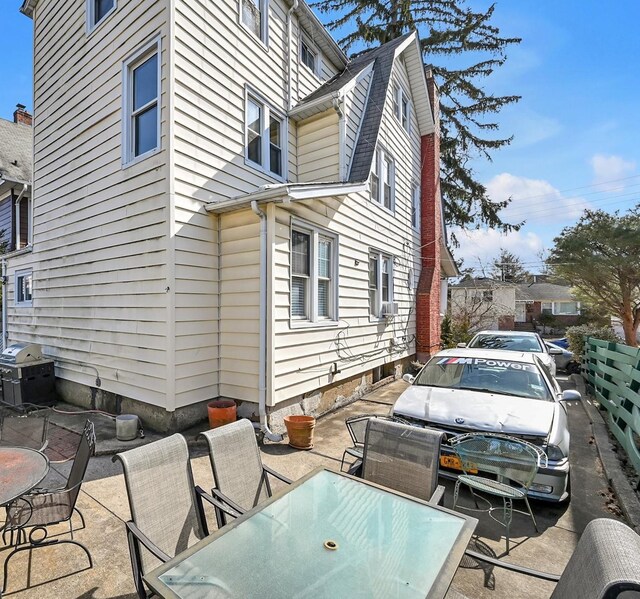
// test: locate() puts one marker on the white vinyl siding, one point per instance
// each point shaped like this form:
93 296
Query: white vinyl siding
141 87
318 143
99 232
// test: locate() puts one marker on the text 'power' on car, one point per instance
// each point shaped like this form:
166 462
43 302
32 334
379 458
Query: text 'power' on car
520 341
479 390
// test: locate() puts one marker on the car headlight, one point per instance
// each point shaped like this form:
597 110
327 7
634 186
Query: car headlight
554 453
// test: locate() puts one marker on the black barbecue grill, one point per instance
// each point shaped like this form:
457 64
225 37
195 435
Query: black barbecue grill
25 376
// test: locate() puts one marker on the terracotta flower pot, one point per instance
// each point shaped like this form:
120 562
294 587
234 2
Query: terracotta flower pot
300 431
221 411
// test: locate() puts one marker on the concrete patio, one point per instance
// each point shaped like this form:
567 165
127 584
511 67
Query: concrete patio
61 572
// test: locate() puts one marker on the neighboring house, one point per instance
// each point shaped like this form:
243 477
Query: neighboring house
226 207
535 299
16 151
485 303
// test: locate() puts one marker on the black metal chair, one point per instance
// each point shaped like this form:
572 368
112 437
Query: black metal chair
28 428
167 513
41 507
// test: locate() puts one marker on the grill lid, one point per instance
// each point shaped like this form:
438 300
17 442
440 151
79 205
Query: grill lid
21 353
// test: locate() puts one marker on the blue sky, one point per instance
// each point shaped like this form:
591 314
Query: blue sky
576 127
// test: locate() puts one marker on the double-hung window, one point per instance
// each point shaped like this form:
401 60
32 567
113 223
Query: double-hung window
24 288
97 10
383 179
254 16
415 207
402 107
265 135
309 56
142 103
380 281
313 275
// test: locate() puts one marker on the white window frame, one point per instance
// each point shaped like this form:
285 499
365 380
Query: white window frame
128 67
415 207
380 258
380 154
313 49
92 24
19 274
267 110
556 308
312 319
264 29
399 94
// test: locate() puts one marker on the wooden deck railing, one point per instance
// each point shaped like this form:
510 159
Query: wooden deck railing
612 371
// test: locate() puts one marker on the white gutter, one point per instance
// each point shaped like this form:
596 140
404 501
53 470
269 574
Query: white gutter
262 368
285 193
4 304
290 12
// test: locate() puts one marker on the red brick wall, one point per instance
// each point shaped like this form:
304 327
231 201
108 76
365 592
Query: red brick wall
428 294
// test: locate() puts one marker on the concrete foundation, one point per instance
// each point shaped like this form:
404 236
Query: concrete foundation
314 403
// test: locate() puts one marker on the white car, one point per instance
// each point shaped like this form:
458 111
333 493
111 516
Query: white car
515 341
478 390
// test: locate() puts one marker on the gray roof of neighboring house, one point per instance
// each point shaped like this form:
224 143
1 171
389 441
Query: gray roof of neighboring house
16 153
383 58
540 292
480 283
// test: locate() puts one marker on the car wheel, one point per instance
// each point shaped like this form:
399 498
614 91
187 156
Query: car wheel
573 368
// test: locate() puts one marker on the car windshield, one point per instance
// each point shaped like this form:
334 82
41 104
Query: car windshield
485 375
508 342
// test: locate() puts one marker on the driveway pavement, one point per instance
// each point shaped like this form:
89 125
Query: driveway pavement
61 572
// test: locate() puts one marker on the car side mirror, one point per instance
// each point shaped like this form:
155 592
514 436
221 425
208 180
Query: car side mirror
461 345
571 395
555 351
409 378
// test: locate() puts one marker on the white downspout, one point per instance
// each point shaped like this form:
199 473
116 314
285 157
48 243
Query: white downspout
17 204
342 134
4 304
294 7
262 348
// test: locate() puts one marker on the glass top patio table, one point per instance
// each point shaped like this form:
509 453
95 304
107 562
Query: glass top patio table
21 469
327 535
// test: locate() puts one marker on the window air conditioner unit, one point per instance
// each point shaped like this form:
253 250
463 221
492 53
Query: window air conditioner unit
389 308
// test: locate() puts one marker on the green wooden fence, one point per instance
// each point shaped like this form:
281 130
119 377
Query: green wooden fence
612 371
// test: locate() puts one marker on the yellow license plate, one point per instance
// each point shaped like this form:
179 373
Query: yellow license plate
452 461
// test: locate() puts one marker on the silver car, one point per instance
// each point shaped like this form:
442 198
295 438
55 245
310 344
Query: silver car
565 360
520 341
462 390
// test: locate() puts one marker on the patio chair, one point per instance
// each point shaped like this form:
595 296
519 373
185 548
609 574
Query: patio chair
357 428
403 457
241 479
45 507
513 462
28 429
604 564
167 513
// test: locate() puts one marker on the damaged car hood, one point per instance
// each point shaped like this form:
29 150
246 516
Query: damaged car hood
477 411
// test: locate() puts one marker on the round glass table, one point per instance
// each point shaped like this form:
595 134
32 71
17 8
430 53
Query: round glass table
21 469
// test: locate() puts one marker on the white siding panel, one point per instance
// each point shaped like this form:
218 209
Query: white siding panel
99 255
318 148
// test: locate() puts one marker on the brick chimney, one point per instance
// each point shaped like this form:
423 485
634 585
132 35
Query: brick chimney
21 115
428 294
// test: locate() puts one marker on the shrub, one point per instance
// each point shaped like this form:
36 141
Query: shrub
576 336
